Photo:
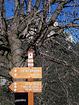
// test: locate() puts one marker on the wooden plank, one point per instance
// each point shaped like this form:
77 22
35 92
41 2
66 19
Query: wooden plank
18 87
26 72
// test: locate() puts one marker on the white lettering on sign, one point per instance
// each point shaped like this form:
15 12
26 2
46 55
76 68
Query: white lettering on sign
30 71
26 72
26 86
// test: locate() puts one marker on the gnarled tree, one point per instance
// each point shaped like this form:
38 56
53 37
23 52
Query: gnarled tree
43 30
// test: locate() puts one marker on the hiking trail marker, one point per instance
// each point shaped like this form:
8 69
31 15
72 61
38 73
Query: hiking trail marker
26 72
21 87
30 73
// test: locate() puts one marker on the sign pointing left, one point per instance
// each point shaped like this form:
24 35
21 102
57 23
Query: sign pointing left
26 72
26 87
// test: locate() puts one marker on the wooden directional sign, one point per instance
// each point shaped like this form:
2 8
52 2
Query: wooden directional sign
26 72
19 87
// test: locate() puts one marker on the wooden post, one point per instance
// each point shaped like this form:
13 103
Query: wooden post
20 87
30 64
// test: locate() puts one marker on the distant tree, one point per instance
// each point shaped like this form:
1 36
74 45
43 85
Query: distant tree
53 52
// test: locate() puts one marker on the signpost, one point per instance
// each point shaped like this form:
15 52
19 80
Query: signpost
22 87
30 73
26 72
30 64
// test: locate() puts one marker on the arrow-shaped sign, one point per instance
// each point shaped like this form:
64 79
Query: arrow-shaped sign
26 72
19 87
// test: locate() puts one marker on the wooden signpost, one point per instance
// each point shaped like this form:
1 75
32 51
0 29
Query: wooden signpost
26 72
30 64
30 73
22 87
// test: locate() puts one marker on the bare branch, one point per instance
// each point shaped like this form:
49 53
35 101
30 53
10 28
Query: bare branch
22 7
2 10
46 6
58 10
72 25
29 6
58 61
37 4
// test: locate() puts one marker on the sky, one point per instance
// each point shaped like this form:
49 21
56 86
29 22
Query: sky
66 14
9 5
